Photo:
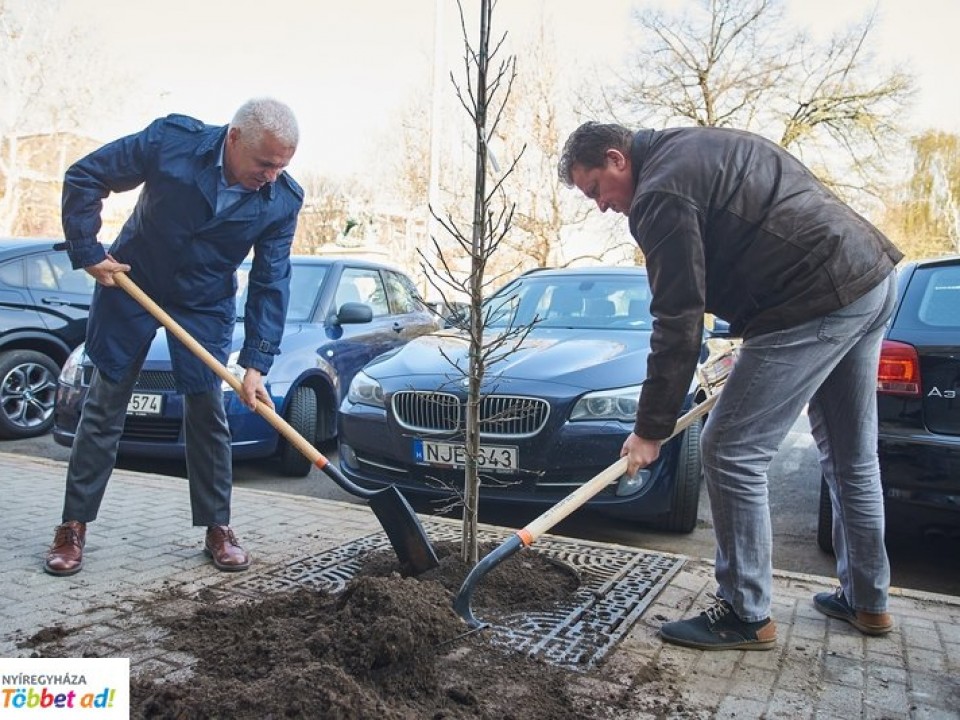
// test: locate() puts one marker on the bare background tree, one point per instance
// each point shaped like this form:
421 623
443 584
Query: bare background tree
332 215
739 64
924 212
48 107
728 63
547 225
537 113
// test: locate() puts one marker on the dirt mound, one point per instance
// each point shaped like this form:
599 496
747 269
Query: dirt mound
388 647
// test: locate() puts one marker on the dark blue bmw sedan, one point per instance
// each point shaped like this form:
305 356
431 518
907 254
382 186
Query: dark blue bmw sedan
558 400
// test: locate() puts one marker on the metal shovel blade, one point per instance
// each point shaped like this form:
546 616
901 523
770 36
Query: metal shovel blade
397 518
404 530
400 523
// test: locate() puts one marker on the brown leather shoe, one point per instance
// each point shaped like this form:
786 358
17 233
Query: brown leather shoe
65 556
222 545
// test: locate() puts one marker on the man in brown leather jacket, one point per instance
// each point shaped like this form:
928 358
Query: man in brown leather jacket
732 224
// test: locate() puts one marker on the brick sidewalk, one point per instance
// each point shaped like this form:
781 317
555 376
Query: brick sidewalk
143 544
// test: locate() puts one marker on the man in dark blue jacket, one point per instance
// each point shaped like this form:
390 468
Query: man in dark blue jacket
209 196
731 224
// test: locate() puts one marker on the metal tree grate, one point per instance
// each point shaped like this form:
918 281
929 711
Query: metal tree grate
616 585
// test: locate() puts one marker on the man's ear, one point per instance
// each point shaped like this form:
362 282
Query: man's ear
616 158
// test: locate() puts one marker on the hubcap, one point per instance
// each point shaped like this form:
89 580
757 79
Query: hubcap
27 395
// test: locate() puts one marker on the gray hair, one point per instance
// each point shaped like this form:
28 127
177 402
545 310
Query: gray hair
587 147
266 115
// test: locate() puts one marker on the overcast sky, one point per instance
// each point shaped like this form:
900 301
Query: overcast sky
346 66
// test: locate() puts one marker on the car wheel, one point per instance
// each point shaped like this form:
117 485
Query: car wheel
28 392
825 519
301 415
685 501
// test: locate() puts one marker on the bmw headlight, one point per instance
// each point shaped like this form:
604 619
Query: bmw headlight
618 404
234 369
364 390
72 371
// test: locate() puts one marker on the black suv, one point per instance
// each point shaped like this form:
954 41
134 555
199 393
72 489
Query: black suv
44 304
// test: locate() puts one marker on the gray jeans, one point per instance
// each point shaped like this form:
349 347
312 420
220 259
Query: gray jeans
829 364
94 452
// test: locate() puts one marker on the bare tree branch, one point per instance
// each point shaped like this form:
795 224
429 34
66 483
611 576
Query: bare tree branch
737 63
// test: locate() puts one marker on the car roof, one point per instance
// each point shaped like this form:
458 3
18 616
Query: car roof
11 247
333 261
934 262
595 270
906 268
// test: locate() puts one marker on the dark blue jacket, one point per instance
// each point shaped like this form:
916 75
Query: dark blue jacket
181 253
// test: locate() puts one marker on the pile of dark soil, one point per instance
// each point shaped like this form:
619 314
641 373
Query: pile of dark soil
388 647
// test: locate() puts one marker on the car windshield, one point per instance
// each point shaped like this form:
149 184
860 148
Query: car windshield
573 301
305 284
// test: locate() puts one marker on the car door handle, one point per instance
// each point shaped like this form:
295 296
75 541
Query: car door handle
397 328
54 301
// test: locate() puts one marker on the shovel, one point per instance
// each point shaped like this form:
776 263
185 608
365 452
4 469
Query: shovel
527 535
401 524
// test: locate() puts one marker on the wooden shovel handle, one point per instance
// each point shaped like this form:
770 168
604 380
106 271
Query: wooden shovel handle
172 326
578 497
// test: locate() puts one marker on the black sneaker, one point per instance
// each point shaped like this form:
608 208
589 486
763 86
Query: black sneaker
835 605
719 628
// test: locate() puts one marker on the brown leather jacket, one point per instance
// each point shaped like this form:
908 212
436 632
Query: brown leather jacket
732 224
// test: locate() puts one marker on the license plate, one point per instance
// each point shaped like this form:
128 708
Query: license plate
492 458
145 404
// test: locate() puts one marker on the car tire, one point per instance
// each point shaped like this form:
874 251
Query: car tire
825 519
685 499
301 415
28 393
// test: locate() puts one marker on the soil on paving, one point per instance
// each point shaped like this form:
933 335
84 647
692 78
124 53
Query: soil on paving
388 647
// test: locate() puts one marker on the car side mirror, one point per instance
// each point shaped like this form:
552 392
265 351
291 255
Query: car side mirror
353 313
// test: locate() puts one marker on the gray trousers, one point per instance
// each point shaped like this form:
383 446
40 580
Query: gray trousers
831 364
94 452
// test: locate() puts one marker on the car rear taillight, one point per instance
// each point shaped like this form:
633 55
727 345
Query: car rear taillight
899 370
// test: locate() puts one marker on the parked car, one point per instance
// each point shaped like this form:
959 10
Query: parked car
44 305
558 401
918 402
341 314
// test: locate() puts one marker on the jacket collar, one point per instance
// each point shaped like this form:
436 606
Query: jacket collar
212 141
638 152
209 176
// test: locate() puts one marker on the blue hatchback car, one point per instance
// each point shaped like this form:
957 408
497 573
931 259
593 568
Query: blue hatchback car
559 400
342 313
